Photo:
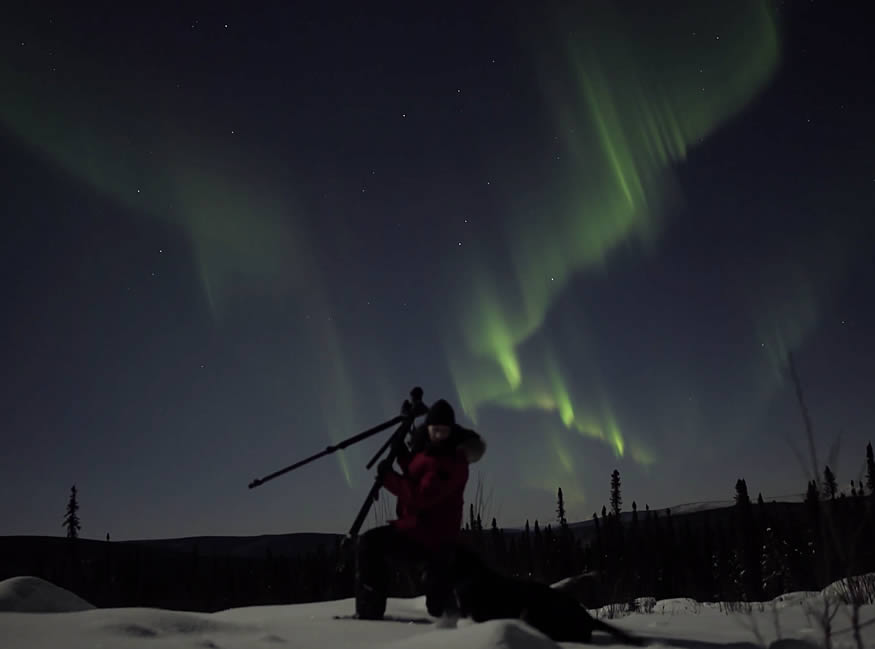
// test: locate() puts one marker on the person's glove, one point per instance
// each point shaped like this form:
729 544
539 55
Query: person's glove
400 448
384 467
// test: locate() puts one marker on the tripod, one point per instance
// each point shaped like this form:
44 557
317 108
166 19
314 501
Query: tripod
410 410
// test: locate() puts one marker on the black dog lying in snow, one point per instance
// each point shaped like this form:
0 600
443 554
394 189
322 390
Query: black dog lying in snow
483 594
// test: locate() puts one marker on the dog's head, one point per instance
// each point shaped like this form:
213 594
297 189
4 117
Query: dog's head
470 565
476 586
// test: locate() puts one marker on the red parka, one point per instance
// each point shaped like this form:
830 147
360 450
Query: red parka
430 496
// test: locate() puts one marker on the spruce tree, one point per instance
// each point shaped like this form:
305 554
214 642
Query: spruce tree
549 553
770 567
566 538
598 562
538 551
633 549
513 557
616 498
812 509
669 553
560 509
811 497
497 543
748 553
870 469
527 550
741 496
829 483
71 518
706 575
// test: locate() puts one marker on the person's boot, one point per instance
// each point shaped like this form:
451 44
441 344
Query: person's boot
450 614
440 599
434 606
369 603
371 587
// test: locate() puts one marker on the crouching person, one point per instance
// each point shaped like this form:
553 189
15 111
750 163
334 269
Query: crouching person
430 491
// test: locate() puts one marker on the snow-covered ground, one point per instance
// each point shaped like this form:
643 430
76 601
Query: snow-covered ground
31 617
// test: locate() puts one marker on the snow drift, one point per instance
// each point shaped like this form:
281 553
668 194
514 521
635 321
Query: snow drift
35 595
70 622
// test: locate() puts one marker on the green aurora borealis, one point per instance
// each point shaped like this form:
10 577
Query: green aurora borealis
634 111
547 162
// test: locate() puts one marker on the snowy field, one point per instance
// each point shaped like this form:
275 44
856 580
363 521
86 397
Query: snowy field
35 614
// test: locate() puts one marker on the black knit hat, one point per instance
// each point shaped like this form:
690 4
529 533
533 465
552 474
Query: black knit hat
440 414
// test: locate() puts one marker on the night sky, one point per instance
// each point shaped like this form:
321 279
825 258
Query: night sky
232 236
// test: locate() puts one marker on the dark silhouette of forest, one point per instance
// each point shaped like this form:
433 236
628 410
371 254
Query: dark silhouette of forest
750 551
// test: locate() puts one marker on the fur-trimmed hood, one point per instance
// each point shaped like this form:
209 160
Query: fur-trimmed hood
473 446
462 438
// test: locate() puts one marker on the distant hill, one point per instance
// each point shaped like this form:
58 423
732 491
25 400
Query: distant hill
718 511
197 573
15 549
212 573
279 545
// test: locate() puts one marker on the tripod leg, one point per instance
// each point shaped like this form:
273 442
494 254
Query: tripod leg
398 436
371 574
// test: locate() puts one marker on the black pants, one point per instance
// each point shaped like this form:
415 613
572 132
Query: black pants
381 547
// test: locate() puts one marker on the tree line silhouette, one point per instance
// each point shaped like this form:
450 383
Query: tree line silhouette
743 553
751 551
